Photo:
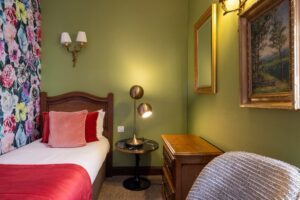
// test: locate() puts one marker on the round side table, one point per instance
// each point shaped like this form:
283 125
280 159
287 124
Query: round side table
136 183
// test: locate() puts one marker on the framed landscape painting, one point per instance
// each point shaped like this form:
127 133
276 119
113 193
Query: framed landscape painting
267 55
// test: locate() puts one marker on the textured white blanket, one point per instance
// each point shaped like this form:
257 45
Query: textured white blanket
243 176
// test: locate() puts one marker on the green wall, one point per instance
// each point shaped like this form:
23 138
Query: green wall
150 43
129 42
219 119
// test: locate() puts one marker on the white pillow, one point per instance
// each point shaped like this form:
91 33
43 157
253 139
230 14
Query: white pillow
100 120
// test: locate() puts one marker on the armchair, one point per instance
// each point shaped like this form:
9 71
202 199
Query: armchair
243 176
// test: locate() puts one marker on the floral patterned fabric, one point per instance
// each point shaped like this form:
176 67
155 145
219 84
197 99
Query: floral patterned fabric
20 66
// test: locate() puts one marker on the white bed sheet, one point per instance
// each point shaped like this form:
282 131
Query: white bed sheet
90 157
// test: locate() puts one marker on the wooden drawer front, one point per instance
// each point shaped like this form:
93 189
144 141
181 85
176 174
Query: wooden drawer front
167 187
169 164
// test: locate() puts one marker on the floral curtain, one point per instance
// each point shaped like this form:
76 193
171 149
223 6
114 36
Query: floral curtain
20 66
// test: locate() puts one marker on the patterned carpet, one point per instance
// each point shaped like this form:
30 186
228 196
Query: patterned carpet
113 189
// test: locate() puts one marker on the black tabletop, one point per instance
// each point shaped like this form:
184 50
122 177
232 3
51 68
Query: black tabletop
147 146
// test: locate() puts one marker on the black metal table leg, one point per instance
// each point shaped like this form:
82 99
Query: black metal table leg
137 183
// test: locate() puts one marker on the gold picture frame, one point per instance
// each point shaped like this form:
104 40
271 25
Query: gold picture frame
205 52
269 55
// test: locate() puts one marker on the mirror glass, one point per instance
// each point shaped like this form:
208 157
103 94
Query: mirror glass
205 52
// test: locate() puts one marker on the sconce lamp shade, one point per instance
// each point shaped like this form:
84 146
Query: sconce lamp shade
65 38
232 6
136 92
144 110
81 37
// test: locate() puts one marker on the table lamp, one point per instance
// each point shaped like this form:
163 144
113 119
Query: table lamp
144 110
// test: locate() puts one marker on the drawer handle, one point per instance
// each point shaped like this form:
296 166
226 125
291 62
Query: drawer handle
167 156
167 165
168 161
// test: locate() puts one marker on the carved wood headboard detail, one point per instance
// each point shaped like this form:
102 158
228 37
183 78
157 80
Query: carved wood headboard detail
75 101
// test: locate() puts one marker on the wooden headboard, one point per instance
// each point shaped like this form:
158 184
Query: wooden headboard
75 101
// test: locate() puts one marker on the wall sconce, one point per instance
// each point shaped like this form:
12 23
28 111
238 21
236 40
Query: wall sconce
74 49
232 6
144 110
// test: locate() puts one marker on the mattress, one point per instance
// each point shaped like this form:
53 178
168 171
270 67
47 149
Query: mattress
90 157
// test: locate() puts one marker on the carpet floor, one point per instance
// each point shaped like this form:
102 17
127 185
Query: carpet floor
112 189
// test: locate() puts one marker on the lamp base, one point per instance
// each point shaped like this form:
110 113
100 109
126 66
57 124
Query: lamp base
134 142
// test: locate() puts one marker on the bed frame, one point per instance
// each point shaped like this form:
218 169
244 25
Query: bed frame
75 101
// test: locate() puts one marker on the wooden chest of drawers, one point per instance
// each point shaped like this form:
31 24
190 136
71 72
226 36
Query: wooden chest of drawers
184 157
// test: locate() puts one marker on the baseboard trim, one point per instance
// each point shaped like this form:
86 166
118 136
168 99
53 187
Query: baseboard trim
144 170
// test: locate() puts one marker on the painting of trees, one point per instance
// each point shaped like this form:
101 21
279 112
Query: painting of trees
278 39
269 54
270 51
259 31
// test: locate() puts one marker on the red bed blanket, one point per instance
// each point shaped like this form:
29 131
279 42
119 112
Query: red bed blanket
44 182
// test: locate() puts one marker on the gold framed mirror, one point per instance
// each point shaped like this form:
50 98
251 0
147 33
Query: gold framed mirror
205 52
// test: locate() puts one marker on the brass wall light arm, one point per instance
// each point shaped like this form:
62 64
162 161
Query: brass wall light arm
74 52
226 11
74 57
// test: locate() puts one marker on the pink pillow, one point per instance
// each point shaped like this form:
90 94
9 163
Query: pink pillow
90 127
67 129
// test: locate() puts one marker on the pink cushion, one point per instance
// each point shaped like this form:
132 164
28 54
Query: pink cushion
67 129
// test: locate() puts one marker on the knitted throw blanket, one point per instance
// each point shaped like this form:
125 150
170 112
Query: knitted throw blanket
246 176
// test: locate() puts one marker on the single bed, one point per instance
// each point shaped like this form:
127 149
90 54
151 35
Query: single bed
95 157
